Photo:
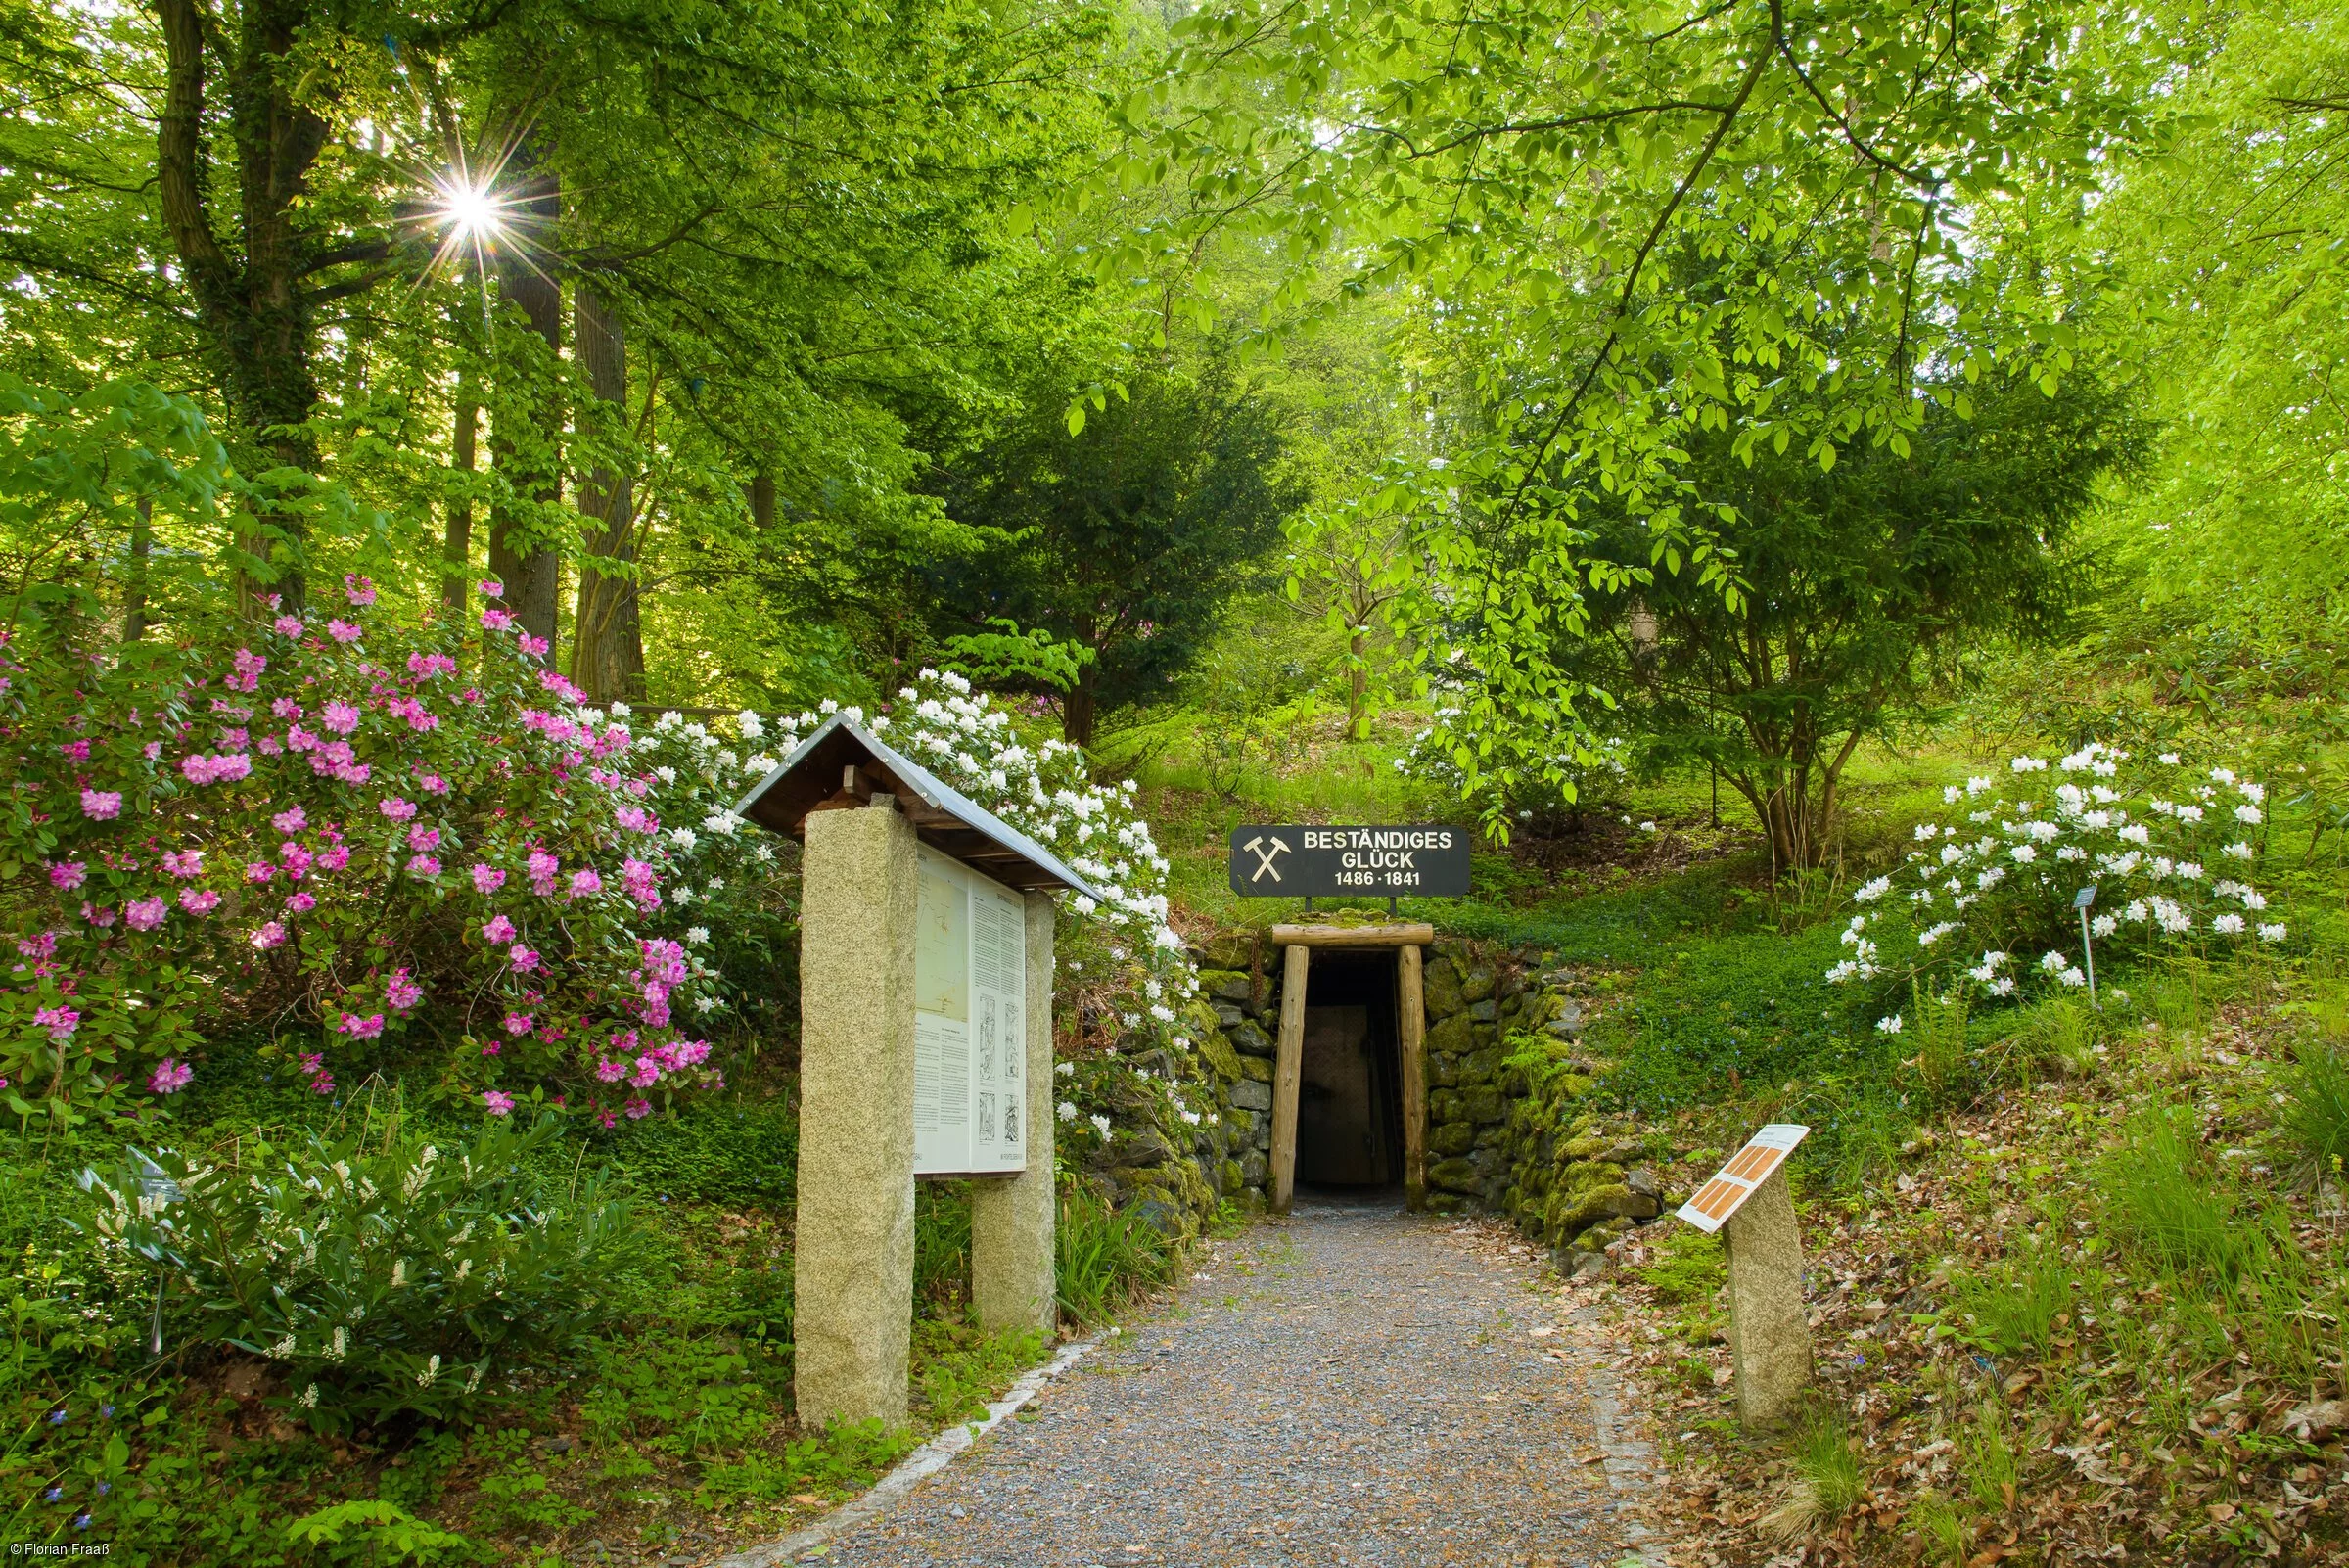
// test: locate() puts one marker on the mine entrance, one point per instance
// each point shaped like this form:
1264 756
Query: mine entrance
1350 1129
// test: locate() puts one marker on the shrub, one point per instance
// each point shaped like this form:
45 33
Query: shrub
1547 787
2169 850
385 1278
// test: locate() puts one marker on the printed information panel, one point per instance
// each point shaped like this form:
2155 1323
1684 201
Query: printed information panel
1429 862
970 1042
1735 1181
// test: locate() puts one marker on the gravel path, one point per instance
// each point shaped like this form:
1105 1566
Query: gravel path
1351 1385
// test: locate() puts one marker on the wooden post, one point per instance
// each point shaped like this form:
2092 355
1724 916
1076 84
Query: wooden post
1411 1037
1288 1069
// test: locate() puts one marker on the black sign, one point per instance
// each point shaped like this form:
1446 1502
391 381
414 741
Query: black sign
1293 863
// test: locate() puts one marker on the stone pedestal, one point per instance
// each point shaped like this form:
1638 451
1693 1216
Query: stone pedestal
1012 1274
1770 1333
853 1260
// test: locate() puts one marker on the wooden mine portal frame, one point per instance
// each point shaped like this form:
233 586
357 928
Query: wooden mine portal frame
1411 1018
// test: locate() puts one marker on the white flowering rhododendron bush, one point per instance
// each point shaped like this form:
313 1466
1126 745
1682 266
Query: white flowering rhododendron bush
1986 896
356 840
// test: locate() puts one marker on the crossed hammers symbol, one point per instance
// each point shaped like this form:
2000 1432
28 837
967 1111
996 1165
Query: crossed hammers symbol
1264 858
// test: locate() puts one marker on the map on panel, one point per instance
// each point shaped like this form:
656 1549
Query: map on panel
970 962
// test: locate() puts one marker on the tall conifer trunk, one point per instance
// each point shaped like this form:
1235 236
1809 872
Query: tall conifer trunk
606 657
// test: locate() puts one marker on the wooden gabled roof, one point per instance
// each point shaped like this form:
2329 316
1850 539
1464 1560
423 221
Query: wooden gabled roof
844 763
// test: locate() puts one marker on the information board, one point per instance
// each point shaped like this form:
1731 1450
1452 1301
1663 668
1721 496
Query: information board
970 1033
1735 1181
1285 862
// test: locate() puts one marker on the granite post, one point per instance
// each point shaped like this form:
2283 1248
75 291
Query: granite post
1770 1332
854 1263
1012 1256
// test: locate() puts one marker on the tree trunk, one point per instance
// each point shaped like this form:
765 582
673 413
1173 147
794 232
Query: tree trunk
763 501
607 644
456 544
141 551
1357 685
1077 711
525 432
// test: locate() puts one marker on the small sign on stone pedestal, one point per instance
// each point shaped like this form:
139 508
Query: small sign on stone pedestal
1748 1203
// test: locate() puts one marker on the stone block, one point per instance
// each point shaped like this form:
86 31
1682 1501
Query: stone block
1445 1203
1441 980
1485 1103
1452 1138
1477 984
1255 1167
1257 1068
1250 1040
1253 1095
1491 1134
1443 1071
1480 1067
1482 1012
1454 1175
1226 1014
1141 1150
1217 1053
1224 986
1228 1178
1644 1181
1453 1034
1444 1105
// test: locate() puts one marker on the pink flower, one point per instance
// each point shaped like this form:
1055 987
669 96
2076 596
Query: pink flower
499 1104
145 914
358 591
260 871
101 919
536 647
43 945
334 859
341 717
323 1084
487 879
693 1053
433 784
606 1120
358 1028
249 666
199 902
402 993
522 959
68 875
490 588
293 821
492 1048
298 859
170 1077
424 666
272 934
611 1072
647 1073
344 631
60 1022
151 749
289 625
302 903
101 805
520 1023
286 708
202 769
314 1063
76 750
496 620
498 930
584 883
636 819
421 837
642 883
665 960
423 865
545 868
397 810
639 1109
184 862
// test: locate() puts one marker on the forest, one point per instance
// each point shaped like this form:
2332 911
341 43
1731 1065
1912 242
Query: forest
1819 487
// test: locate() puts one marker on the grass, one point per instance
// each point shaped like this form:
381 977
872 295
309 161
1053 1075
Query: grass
2018 1309
1105 1258
2160 1201
1826 1482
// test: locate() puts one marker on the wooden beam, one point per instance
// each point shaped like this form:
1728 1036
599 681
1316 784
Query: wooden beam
1411 1014
1395 936
1288 1069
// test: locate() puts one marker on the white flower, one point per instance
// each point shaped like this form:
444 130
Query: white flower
1925 830
2238 849
2136 833
2227 925
1871 892
2054 963
1933 933
1950 794
1100 1123
723 822
2222 775
2103 925
706 1004
431 1370
283 1349
1888 1026
1067 1110
666 775
338 1346
680 895
2168 758
1084 906
2247 813
2271 933
2003 985
2024 853
2190 814
2254 793
1977 784
1066 1069
1647 827
827 706
309 1398
2072 977
2190 870
750 724
1162 1013
2029 765
697 935
684 838
2136 911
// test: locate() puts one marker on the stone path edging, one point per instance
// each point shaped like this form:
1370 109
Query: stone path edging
926 1461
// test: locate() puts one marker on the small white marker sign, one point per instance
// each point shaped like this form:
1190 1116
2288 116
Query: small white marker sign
1735 1181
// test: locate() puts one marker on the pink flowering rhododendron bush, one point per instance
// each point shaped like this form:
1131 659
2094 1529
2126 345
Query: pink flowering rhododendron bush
1987 894
359 841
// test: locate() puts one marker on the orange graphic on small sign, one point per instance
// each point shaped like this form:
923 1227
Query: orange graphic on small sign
1735 1181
